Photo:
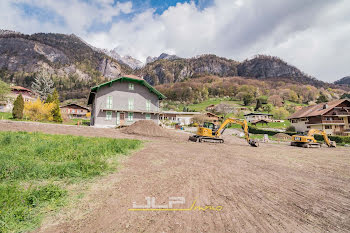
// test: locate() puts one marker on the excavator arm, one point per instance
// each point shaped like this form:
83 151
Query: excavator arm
244 125
329 143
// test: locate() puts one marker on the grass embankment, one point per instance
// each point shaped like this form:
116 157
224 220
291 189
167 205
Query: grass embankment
271 125
36 168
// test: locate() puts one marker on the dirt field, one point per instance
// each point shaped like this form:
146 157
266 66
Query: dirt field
273 188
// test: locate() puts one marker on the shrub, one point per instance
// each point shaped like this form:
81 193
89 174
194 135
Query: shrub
38 110
18 106
255 130
280 113
290 128
4 90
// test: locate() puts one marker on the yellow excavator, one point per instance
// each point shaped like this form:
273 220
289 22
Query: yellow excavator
209 132
308 140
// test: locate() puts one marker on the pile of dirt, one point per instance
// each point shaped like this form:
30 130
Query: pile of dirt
283 136
146 128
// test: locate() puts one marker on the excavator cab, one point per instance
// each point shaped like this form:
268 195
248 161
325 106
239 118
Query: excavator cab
211 126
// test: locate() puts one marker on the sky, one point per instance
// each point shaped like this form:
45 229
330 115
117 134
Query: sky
313 35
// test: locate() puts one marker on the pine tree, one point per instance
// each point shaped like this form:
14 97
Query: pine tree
18 106
56 111
258 105
49 99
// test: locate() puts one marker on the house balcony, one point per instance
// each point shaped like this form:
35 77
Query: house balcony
335 122
104 108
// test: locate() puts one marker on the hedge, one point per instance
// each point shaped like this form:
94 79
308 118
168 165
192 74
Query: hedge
337 139
254 130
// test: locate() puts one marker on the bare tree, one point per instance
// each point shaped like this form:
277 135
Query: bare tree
43 84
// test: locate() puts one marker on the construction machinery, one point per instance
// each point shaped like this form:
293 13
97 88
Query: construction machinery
308 140
209 132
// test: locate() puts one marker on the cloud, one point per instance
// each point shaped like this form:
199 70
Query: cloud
312 35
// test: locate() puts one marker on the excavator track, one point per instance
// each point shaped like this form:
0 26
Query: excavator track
196 138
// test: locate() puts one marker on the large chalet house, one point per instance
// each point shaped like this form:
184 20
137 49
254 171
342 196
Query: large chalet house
333 117
123 101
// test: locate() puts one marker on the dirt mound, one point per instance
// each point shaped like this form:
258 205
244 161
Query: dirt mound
283 136
146 128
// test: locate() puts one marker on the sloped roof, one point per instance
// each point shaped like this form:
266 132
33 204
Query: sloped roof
257 114
77 105
21 88
129 78
316 110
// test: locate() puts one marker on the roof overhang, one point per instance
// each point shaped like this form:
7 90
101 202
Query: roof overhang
124 79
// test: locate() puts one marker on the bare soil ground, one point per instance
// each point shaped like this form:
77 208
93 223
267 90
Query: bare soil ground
272 188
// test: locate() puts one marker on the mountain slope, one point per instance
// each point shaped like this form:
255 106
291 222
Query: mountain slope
73 65
343 81
264 67
169 71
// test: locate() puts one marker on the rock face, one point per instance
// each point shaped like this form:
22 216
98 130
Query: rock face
168 71
73 64
127 60
164 56
343 81
266 67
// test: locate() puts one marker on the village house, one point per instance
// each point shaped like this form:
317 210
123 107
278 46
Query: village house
182 118
74 111
28 95
213 118
256 117
333 117
123 101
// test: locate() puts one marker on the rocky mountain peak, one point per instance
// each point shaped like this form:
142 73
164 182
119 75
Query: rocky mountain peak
164 56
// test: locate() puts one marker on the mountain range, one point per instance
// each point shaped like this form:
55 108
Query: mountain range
75 66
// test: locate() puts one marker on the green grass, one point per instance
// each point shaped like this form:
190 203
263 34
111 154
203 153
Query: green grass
275 125
203 105
5 115
74 121
35 166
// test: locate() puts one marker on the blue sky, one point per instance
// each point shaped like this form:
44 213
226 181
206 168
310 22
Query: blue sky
312 35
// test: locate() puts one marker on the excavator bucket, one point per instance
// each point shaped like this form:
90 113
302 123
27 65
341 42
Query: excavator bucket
332 144
253 143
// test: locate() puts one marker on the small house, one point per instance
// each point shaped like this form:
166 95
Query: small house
182 118
74 111
254 117
28 95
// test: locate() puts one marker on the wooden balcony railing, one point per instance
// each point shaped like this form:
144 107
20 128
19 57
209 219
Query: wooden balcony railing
326 122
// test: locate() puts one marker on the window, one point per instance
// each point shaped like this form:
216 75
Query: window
130 116
109 115
131 104
148 105
328 126
148 116
109 102
131 86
